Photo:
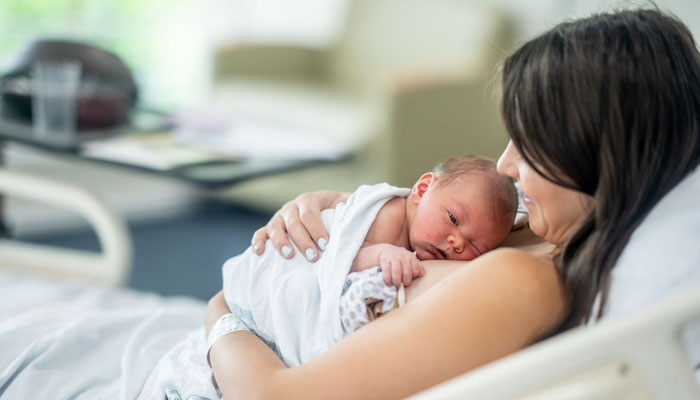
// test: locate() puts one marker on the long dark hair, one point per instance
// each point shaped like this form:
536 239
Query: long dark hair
607 105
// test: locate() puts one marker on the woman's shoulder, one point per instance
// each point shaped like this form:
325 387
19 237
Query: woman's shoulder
510 292
503 266
524 283
509 279
523 272
519 263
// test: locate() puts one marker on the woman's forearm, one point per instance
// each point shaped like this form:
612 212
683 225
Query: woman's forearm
244 366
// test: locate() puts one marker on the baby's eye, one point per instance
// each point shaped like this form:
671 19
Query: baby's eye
452 217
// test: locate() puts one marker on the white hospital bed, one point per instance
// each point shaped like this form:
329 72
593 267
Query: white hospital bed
68 330
641 356
110 267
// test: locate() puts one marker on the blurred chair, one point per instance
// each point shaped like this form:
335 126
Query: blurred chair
406 85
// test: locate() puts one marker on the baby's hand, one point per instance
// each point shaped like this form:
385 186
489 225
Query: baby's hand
399 266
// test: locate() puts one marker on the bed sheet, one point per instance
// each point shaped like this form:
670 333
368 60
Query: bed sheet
72 340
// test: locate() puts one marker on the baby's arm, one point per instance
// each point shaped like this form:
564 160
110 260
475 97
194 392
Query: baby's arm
398 264
367 257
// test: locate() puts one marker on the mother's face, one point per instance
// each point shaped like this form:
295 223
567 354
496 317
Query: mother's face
555 212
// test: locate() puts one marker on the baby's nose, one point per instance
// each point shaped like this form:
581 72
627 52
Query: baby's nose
457 243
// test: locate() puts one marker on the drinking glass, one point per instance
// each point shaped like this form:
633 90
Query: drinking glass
54 91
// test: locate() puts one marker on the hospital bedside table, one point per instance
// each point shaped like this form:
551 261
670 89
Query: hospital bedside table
157 153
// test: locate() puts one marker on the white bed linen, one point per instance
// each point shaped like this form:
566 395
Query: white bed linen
74 341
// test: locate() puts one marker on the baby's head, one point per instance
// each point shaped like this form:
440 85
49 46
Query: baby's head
460 210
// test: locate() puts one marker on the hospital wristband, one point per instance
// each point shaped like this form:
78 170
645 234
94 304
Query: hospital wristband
226 324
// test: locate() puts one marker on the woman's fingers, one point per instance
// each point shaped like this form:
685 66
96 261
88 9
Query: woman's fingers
301 237
276 231
314 234
278 236
258 242
311 220
299 222
304 226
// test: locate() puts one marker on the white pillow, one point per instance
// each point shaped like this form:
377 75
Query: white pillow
662 258
663 253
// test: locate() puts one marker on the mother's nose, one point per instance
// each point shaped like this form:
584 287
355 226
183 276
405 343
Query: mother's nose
506 162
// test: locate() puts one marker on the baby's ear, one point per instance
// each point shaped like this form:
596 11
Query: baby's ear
422 185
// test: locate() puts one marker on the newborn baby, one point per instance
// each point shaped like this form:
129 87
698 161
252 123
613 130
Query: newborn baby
459 211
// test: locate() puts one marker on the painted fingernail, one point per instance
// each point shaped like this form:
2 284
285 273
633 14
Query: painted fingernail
286 250
255 248
322 244
310 253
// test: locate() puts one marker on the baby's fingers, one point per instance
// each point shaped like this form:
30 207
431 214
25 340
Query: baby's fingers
407 274
386 274
417 268
396 273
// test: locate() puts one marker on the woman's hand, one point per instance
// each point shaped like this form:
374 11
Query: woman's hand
300 220
215 309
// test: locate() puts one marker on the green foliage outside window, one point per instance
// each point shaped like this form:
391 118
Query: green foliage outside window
139 31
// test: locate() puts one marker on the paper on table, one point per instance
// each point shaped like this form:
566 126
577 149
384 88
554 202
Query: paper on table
155 151
256 138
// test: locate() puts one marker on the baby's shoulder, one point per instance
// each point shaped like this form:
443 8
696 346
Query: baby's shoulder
389 222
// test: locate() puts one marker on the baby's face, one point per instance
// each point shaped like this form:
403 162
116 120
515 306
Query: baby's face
456 221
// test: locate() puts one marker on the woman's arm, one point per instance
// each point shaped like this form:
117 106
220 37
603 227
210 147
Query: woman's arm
301 220
502 302
241 352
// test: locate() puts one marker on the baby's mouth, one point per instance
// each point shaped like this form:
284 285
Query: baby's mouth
437 253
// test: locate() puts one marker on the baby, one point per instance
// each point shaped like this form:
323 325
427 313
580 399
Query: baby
459 211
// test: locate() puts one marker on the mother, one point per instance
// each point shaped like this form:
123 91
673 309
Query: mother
604 119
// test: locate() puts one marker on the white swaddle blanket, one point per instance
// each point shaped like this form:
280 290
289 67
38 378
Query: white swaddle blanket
293 305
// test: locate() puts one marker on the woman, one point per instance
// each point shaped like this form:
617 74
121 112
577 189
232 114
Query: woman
604 119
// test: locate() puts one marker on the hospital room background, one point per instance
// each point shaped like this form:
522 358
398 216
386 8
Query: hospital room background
387 88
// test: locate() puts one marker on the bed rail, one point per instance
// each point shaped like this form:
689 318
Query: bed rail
110 267
639 356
